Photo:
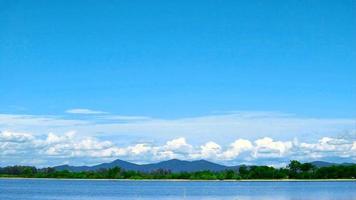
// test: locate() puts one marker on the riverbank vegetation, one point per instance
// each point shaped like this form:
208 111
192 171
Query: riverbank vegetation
295 170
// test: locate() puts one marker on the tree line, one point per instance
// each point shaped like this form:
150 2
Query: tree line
294 170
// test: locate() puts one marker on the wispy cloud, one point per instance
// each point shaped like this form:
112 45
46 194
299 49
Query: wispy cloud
219 128
84 111
28 121
125 118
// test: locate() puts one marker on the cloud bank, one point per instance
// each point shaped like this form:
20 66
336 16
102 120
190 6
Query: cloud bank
228 138
55 149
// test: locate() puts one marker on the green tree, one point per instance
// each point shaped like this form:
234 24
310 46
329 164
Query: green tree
243 171
294 167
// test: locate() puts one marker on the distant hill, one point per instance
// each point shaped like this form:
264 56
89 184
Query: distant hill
328 164
173 165
116 163
188 166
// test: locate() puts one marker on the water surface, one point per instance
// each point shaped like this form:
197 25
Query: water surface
42 189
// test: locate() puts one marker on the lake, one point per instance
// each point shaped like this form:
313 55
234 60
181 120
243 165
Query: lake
43 189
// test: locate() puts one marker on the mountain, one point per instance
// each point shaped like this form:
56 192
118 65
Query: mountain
173 165
322 164
328 164
176 165
116 163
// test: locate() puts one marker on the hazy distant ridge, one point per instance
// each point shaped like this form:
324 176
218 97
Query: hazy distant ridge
173 165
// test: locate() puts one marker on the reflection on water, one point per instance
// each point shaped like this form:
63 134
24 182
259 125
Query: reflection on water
30 189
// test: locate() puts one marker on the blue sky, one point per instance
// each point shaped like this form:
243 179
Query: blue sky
178 69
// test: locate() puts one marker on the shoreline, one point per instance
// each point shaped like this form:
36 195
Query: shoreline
185 180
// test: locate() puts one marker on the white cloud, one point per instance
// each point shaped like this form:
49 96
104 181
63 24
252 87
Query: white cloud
329 147
54 139
70 147
354 146
7 136
237 147
210 150
139 149
84 111
266 147
178 145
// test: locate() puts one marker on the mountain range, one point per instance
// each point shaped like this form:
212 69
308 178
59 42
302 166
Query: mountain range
173 165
